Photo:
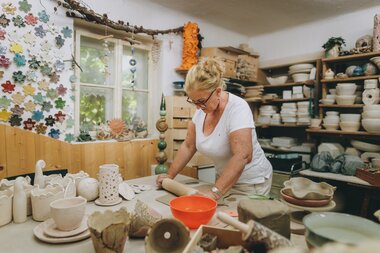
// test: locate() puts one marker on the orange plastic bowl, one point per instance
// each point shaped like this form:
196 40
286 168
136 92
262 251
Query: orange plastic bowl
193 211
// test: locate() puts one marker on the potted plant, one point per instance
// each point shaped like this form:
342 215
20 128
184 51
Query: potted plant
333 46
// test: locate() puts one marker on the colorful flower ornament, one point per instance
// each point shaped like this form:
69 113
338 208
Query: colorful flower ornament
43 16
31 75
29 38
60 103
5 115
40 31
3 49
60 117
24 6
29 124
16 48
4 22
70 122
30 106
59 65
46 46
18 21
37 115
18 98
41 128
50 121
46 70
30 19
43 85
8 8
4 61
69 137
61 90
18 76
59 41
46 106
54 78
54 133
17 110
8 87
29 90
15 120
5 102
19 59
67 32
52 94
2 34
14 36
39 98
34 63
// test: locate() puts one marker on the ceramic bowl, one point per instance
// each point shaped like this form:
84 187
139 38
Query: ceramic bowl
326 101
332 91
277 80
331 127
345 100
371 125
300 77
301 66
375 163
349 126
340 227
364 146
371 115
68 213
331 121
303 188
332 113
346 89
350 117
41 199
371 108
303 202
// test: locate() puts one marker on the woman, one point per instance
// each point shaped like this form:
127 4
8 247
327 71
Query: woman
222 128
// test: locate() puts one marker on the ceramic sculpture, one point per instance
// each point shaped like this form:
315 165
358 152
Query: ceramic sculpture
6 197
88 188
376 33
303 188
38 175
41 199
162 126
19 201
108 185
143 218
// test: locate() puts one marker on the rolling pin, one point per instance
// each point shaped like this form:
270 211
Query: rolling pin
177 188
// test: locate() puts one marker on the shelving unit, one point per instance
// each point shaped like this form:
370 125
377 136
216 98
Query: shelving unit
344 134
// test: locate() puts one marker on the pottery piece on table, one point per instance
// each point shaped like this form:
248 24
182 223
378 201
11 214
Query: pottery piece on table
88 188
52 230
53 179
5 183
71 189
68 213
38 175
6 198
126 191
157 240
109 230
19 206
303 188
77 177
109 180
41 199
143 218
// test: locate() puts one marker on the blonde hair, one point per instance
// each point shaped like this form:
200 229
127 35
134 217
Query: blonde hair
206 75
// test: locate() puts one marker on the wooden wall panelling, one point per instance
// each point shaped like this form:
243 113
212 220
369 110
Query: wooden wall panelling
113 152
3 154
75 154
51 151
92 155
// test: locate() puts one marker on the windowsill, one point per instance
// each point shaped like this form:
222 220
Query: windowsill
113 140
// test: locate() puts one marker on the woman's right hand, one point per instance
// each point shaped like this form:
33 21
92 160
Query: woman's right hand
160 178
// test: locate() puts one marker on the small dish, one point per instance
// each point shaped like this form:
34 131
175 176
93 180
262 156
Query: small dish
303 188
50 229
99 203
38 232
305 202
126 191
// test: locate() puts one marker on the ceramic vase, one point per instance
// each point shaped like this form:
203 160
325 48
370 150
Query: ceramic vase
19 201
6 197
108 183
41 199
376 33
333 52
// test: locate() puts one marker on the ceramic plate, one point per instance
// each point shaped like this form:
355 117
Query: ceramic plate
51 230
340 227
118 201
39 233
328 207
126 191
305 202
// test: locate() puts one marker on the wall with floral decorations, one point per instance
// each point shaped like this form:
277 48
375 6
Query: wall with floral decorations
36 44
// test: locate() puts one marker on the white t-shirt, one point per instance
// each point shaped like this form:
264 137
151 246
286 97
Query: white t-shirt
236 115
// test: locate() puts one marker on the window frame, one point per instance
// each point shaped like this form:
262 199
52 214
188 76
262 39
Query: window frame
117 87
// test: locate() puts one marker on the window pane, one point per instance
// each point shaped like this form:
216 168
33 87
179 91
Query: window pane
95 106
93 61
135 106
141 73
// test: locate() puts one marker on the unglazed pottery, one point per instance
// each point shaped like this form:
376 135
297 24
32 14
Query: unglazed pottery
71 189
143 218
6 197
38 175
19 201
109 230
6 184
108 184
303 188
52 230
88 188
41 199
304 202
68 213
77 177
126 191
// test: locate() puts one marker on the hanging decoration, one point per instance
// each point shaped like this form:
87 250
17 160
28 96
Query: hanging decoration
155 52
190 46
132 64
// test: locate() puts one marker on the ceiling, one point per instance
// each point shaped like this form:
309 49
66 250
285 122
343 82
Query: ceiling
257 17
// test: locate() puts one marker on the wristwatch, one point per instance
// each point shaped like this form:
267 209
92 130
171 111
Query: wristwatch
215 190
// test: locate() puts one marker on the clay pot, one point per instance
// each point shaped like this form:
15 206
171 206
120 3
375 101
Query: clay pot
68 213
41 199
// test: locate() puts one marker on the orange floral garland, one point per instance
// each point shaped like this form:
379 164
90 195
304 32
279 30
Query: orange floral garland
190 46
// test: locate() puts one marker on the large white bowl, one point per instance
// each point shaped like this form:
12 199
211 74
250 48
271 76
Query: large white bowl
349 126
277 80
371 108
300 77
345 100
364 146
327 101
296 67
371 125
331 126
371 114
68 213
350 117
331 121
346 89
332 113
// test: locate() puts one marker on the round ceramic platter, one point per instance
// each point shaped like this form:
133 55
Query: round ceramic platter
39 233
305 202
51 230
328 207
118 201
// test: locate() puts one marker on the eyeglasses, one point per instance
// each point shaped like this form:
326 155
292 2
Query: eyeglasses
200 103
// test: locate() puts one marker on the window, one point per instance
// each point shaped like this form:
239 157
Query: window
111 85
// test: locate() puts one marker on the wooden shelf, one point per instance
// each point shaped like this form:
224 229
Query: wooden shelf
253 100
356 106
338 133
280 125
283 150
289 84
280 100
356 78
351 57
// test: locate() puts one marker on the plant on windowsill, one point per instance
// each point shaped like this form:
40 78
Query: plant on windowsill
333 46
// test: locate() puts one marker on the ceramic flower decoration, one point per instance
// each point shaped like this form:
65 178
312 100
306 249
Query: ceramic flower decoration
5 115
14 36
18 98
5 102
60 117
4 22
18 76
54 78
52 94
30 19
39 98
41 128
15 120
43 85
34 63
69 137
60 103
54 133
17 110
16 48
31 76
50 121
29 38
19 59
24 6
59 66
40 31
30 106
2 34
37 115
4 61
9 8
61 90
3 49
43 16
70 122
67 32
29 124
8 87
46 46
46 70
59 41
46 106
29 90
18 21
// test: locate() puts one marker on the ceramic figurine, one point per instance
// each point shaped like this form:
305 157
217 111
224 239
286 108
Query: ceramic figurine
329 74
38 175
19 201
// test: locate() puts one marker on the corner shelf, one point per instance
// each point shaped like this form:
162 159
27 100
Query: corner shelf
339 133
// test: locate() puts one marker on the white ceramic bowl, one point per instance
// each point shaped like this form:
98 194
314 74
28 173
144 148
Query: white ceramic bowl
68 213
331 126
297 67
345 100
330 121
331 96
327 101
332 113
371 125
348 89
364 146
371 108
375 163
371 114
349 126
332 91
277 80
300 77
350 117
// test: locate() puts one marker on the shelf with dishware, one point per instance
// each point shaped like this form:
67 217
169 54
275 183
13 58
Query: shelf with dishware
281 125
281 150
349 79
345 134
284 85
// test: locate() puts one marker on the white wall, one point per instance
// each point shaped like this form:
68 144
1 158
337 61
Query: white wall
307 39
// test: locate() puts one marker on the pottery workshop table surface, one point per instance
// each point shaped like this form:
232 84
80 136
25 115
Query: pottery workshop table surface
19 237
